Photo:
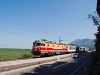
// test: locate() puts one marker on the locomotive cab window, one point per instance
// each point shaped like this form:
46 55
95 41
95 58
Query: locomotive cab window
34 44
38 44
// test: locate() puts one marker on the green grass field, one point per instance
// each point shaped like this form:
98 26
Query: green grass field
13 54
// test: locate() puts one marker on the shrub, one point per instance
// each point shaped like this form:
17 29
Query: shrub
26 55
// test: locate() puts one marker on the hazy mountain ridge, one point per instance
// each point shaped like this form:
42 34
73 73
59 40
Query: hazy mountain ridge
84 42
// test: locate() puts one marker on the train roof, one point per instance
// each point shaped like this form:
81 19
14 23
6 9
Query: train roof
72 45
51 42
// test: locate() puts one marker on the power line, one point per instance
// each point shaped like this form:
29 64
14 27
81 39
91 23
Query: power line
6 26
15 33
19 25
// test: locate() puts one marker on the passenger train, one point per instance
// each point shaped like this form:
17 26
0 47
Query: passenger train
48 48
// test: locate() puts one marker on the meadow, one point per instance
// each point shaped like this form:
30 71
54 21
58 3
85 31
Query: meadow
13 54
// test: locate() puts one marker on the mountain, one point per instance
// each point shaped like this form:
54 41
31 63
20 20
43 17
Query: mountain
84 42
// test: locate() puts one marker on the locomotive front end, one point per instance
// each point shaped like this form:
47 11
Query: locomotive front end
36 49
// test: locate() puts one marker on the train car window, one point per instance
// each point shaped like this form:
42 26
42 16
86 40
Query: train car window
70 48
48 45
73 48
43 44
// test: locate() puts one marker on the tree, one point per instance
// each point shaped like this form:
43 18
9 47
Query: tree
98 7
95 62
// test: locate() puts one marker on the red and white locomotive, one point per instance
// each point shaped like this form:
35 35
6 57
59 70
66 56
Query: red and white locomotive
42 48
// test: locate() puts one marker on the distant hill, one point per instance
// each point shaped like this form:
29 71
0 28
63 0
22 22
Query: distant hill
84 42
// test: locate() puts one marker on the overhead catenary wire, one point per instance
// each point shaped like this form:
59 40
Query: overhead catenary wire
5 21
13 28
15 33
20 27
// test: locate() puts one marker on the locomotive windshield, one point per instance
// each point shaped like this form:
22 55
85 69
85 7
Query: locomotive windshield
36 44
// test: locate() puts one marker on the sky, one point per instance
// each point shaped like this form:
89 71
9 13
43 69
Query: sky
24 21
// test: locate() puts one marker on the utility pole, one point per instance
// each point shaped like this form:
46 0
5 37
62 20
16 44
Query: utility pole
60 40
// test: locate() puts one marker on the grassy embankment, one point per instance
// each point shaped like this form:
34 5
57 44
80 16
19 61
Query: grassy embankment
13 54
